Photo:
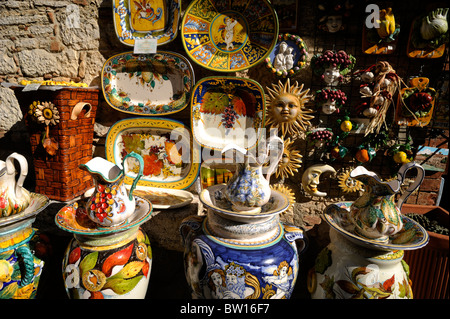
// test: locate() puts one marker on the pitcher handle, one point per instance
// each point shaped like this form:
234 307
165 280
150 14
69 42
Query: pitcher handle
10 169
140 173
26 256
293 233
417 182
273 144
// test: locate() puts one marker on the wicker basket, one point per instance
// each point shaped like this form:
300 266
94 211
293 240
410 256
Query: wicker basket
58 176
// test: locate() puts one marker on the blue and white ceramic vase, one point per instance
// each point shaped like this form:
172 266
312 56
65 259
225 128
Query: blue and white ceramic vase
240 256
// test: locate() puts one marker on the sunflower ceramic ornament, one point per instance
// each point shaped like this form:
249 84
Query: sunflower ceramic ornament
290 161
47 114
286 108
348 184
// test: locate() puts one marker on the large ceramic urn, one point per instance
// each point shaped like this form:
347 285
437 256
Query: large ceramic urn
241 255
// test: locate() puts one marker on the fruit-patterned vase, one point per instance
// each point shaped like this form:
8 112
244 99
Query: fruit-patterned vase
20 266
106 262
240 256
344 270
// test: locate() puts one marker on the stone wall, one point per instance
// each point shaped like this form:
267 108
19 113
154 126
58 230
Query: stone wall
70 41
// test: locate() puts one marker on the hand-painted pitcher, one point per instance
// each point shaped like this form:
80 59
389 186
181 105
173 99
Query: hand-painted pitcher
375 214
13 197
111 204
248 189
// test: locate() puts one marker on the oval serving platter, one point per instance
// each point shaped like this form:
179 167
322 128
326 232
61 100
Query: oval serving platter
146 19
166 146
229 36
224 109
147 84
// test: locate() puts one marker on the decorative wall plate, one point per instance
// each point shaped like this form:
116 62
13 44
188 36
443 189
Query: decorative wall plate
146 19
170 159
147 84
336 215
225 109
229 35
73 218
289 55
164 198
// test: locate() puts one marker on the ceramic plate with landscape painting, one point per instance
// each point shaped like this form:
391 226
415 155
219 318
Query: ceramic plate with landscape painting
229 35
147 84
170 160
227 110
146 19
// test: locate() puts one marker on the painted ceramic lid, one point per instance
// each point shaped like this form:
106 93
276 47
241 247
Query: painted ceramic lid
229 35
166 146
225 109
147 84
135 20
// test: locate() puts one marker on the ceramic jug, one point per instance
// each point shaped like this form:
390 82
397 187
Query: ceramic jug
13 197
375 214
248 189
111 203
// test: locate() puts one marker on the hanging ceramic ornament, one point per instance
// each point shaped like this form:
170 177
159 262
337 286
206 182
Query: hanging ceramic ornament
289 55
333 15
415 103
382 39
428 35
320 137
311 178
290 161
286 108
46 114
348 184
330 100
332 66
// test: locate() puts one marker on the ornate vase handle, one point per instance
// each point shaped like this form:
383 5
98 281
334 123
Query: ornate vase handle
139 175
417 182
189 224
25 254
293 233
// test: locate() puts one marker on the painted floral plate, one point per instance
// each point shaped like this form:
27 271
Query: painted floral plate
146 19
412 236
166 146
229 36
226 109
214 198
37 204
147 84
73 218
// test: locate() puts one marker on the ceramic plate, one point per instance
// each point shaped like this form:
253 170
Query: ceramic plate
214 198
336 216
289 55
164 198
229 35
73 218
166 146
147 84
226 109
37 204
146 19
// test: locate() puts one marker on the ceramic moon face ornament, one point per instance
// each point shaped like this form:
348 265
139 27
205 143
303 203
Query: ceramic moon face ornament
311 178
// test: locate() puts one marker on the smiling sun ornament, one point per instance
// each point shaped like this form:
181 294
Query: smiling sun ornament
290 161
285 108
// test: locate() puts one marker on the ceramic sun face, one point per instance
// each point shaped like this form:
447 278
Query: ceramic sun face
285 108
290 161
348 184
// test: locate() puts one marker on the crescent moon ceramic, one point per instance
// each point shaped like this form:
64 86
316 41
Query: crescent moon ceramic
311 178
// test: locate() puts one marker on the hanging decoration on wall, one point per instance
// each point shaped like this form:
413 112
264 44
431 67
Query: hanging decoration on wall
311 178
381 40
380 83
46 114
332 66
370 145
286 108
429 35
415 103
289 55
401 153
290 161
333 15
348 184
319 137
330 100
